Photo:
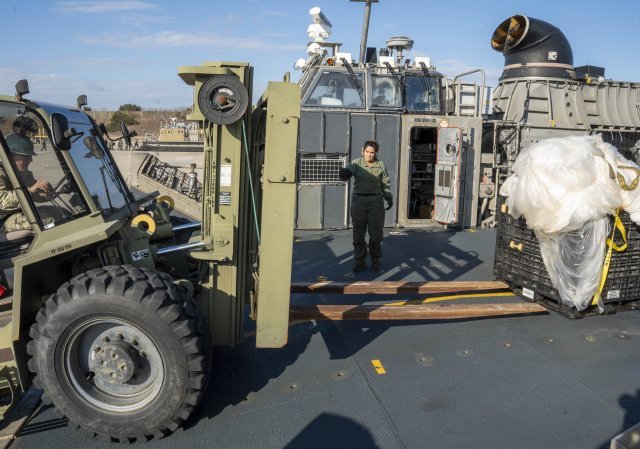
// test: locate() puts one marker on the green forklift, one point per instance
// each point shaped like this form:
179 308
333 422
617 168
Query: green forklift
109 303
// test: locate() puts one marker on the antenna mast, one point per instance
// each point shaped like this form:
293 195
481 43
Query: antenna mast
365 27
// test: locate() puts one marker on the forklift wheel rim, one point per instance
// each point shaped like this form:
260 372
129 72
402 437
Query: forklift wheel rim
80 364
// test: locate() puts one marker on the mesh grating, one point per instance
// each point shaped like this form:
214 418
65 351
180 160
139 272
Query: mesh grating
320 168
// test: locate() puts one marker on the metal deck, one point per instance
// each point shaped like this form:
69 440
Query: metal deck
531 381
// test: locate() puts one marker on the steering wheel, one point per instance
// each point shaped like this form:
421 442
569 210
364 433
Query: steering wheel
59 188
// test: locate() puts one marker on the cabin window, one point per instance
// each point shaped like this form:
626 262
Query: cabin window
423 93
385 92
33 159
337 90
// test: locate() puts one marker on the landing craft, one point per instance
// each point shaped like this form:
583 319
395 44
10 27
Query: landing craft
446 151
448 143
428 128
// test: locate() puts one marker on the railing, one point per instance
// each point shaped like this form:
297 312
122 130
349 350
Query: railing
172 178
477 98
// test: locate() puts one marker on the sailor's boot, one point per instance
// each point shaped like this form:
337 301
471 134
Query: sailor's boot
359 265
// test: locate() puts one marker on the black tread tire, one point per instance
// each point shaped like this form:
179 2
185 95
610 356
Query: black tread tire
149 301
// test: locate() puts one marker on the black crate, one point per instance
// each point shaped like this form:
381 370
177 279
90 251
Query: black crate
518 262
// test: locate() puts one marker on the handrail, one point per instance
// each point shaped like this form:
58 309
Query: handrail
455 79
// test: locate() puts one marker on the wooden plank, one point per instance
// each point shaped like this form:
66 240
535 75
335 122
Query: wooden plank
409 312
391 287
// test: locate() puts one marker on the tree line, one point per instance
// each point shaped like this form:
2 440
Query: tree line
122 115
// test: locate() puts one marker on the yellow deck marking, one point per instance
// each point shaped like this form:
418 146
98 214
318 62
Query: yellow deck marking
378 366
471 230
447 298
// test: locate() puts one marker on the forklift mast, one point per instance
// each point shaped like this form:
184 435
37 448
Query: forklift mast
248 200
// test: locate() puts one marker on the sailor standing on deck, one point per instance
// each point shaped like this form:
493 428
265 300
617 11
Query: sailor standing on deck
371 186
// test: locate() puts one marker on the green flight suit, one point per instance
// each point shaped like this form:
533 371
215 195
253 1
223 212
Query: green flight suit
371 187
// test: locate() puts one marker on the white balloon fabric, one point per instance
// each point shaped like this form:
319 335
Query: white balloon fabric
559 184
565 188
574 261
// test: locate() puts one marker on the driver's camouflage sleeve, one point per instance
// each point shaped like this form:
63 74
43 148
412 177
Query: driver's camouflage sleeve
15 222
10 213
8 198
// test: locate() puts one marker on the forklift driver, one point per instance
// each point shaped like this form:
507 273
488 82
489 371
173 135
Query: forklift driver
11 215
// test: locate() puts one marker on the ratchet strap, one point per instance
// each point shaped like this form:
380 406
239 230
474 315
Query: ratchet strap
611 245
618 226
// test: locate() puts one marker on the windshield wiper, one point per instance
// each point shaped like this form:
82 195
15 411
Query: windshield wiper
397 79
108 166
395 76
353 77
106 187
426 84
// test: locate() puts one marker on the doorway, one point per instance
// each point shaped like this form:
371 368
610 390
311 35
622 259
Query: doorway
422 157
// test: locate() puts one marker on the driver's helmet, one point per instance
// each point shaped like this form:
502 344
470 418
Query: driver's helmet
20 145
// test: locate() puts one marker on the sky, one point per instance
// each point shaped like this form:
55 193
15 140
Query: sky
129 51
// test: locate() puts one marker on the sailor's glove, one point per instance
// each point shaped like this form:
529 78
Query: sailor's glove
344 174
389 204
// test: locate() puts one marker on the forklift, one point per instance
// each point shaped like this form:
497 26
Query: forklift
110 305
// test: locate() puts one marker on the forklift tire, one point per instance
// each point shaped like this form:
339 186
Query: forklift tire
119 353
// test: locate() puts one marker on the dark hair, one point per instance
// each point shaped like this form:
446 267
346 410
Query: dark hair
370 143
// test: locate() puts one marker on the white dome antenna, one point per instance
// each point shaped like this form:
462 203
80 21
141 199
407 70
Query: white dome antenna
399 44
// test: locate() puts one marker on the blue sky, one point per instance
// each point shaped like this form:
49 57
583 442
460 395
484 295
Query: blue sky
128 51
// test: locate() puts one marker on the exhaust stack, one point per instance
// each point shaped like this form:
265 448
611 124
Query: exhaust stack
533 48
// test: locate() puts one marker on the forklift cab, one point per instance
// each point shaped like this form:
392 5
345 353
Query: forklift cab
53 173
37 192
57 177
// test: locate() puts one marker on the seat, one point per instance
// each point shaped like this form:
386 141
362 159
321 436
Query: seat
380 99
329 101
420 106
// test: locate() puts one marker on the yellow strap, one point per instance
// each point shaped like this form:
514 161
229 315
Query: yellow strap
612 172
611 245
623 234
623 183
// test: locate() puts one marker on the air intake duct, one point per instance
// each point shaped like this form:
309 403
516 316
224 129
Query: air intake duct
533 48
